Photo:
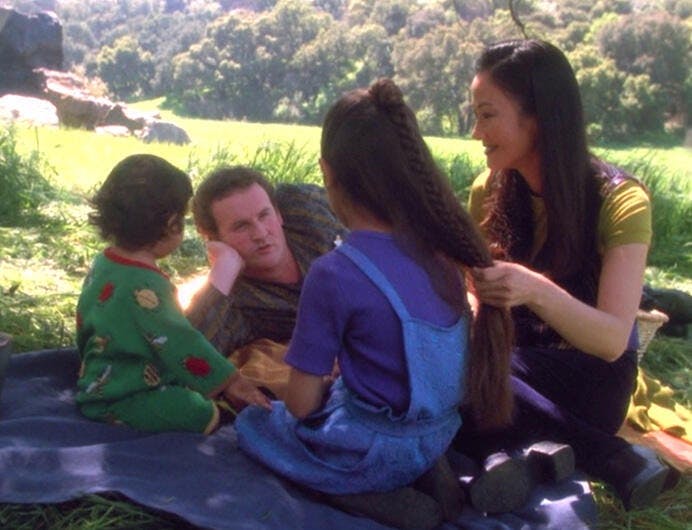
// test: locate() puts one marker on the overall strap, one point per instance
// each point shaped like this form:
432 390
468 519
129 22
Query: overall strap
376 276
435 361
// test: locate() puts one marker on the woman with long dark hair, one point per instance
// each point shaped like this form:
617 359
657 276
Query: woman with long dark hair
570 234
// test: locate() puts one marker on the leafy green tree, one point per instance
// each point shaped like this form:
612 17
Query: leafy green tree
392 14
643 107
469 10
126 68
241 68
679 8
373 51
601 84
336 8
424 20
434 72
657 45
78 43
320 72
195 88
289 59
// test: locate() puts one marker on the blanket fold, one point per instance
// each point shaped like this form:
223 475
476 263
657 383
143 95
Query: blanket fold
652 408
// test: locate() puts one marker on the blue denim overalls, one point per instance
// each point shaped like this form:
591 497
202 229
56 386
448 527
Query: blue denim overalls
350 446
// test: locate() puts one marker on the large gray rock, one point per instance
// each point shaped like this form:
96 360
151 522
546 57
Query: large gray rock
27 42
34 111
165 132
132 119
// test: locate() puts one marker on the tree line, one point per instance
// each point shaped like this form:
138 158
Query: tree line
287 60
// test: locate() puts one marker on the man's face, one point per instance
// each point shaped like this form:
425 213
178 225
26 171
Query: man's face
248 222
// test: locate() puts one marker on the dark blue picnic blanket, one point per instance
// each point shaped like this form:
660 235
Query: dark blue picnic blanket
49 453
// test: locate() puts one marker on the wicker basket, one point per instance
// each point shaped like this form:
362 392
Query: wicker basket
648 323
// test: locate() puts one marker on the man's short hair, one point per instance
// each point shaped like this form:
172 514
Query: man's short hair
217 186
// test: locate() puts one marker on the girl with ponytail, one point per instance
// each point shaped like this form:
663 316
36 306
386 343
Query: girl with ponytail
389 308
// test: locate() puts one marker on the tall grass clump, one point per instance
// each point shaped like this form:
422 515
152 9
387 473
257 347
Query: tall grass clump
277 161
461 169
671 199
23 181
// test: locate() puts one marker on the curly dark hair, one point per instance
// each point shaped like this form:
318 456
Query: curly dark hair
220 184
134 206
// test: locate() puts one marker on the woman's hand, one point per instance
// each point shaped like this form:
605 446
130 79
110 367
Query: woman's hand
603 330
241 392
226 265
506 284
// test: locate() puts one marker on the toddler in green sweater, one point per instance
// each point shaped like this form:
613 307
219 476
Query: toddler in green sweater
143 363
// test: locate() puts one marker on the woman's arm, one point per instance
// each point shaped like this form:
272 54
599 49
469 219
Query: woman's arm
603 330
305 392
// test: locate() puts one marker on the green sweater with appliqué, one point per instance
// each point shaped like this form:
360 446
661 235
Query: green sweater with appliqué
132 335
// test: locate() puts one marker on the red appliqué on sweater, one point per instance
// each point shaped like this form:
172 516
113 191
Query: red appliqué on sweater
79 320
197 366
106 292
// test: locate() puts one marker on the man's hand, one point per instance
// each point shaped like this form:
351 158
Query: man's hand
226 265
242 392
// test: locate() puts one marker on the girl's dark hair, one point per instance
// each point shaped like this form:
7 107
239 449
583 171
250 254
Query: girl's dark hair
371 141
539 77
220 184
134 205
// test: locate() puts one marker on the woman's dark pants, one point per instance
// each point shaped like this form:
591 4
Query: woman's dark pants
565 396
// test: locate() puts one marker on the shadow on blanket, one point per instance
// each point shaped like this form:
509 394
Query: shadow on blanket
49 453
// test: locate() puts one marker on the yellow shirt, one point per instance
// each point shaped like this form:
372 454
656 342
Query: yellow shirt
625 215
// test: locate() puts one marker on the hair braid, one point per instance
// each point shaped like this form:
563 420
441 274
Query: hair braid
492 332
448 228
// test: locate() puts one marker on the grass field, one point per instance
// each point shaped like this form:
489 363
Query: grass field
44 260
82 159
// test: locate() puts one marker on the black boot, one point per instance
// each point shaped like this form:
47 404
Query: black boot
405 508
549 462
637 475
503 485
505 482
442 484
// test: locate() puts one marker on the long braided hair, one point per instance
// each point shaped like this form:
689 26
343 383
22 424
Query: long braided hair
371 141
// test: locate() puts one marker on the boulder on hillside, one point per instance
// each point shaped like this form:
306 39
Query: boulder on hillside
165 132
76 106
132 119
34 111
27 42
